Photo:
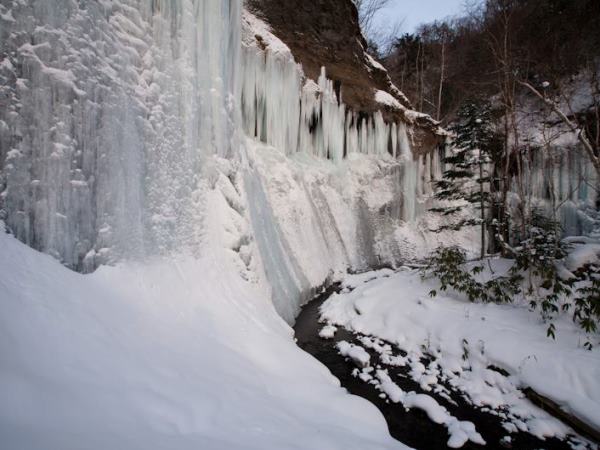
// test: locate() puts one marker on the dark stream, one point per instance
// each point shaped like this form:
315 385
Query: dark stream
413 427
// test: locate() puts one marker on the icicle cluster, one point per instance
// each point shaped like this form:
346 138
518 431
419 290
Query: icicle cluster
279 108
293 114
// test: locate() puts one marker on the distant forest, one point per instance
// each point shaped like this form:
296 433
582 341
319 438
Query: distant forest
489 50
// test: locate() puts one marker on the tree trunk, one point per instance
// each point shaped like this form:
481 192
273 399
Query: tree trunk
482 204
442 75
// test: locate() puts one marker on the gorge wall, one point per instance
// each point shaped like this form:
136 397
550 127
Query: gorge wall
119 116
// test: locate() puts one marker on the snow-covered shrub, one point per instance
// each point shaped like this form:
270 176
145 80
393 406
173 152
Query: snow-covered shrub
538 275
449 266
538 258
586 305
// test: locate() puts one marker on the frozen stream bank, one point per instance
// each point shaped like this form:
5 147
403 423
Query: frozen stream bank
382 373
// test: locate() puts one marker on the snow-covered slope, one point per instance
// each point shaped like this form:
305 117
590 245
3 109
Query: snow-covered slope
169 354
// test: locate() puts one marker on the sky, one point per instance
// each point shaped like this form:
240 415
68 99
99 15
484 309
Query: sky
416 12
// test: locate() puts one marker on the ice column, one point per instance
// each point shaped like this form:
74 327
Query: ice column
410 175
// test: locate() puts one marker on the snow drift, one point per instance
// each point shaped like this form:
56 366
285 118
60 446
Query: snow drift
168 354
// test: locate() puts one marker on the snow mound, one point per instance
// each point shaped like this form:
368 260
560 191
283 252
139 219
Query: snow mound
328 332
356 353
583 255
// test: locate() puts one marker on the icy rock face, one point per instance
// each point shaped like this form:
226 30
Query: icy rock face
313 219
109 111
120 115
285 109
330 189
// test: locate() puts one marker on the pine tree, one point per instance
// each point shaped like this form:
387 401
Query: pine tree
465 178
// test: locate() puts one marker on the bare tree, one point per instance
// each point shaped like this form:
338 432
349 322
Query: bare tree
442 77
379 34
498 37
367 11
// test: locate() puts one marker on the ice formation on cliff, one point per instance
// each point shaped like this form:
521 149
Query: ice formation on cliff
110 111
116 109
284 109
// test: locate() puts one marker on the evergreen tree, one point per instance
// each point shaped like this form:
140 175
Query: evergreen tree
465 176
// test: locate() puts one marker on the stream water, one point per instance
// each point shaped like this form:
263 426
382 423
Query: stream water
411 427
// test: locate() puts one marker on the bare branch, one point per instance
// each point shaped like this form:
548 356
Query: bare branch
379 32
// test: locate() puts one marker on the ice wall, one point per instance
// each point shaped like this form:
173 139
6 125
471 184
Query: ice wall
561 182
110 110
314 219
330 189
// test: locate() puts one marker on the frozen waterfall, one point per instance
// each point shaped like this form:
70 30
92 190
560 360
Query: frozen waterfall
121 117
109 112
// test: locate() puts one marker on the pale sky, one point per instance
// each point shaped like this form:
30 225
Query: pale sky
416 12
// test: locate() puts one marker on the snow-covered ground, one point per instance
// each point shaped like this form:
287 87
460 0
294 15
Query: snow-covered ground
166 354
466 344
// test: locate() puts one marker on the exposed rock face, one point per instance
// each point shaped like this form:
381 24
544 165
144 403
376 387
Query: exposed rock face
326 33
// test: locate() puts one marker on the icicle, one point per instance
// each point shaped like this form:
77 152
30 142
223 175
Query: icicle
410 175
294 114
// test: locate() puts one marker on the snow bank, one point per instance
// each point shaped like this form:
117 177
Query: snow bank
460 432
170 354
583 255
466 339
